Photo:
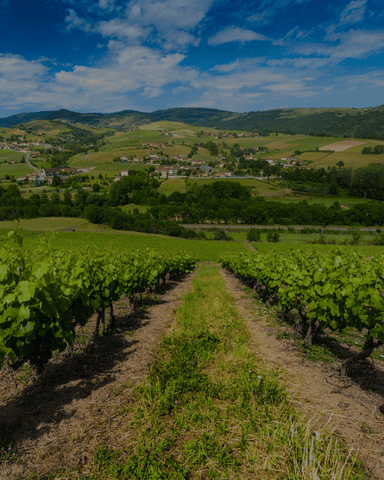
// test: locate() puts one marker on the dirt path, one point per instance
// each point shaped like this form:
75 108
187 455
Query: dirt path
353 411
60 418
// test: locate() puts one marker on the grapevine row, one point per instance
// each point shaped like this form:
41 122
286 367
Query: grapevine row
320 291
43 300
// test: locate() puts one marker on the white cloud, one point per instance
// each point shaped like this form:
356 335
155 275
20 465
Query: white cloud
262 18
240 64
106 4
121 29
168 23
236 34
137 72
309 63
354 12
73 21
168 14
352 44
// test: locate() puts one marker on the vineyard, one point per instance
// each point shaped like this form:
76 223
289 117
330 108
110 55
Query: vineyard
319 291
43 300
131 356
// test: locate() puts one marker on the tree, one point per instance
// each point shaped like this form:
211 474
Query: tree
333 189
56 181
96 187
340 164
67 197
370 181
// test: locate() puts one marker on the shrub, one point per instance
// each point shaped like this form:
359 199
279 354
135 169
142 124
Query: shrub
273 236
378 239
253 235
222 235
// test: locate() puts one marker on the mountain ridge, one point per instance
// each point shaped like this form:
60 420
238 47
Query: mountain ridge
356 122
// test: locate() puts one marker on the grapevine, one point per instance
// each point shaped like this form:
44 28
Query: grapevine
43 300
334 291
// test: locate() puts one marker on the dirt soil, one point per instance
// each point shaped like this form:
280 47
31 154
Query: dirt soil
58 419
341 146
315 388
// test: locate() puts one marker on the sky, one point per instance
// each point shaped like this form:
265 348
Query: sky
147 55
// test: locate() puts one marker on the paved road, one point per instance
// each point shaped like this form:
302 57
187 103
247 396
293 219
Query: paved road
295 227
32 166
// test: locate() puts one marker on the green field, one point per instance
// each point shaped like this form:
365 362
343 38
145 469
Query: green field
9 155
131 206
173 185
258 187
203 156
88 234
18 170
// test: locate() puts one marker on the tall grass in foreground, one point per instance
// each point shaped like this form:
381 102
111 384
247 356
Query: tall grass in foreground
208 411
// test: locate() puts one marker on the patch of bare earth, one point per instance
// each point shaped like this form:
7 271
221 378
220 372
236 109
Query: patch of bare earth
342 145
58 419
346 403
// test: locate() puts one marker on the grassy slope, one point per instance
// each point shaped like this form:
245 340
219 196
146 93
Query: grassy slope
16 170
87 234
173 185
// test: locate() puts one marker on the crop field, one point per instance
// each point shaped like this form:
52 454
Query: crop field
166 125
258 187
342 145
9 155
16 170
231 392
203 156
350 158
129 208
173 185
127 242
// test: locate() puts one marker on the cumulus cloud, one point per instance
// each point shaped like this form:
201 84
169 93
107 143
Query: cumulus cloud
169 23
137 71
168 14
236 34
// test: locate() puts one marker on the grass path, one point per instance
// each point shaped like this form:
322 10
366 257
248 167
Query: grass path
351 406
208 410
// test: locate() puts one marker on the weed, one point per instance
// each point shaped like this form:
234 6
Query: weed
367 429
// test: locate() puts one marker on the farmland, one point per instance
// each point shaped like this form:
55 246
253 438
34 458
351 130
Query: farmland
216 334
196 374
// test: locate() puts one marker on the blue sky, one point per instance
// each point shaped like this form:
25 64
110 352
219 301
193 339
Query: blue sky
147 55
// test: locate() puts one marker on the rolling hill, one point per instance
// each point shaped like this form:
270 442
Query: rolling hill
361 123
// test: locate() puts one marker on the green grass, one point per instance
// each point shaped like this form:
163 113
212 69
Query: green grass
203 156
173 185
115 168
258 187
131 206
209 410
16 170
87 234
9 155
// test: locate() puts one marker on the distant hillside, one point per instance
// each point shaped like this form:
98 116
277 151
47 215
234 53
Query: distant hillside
361 123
